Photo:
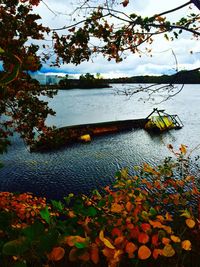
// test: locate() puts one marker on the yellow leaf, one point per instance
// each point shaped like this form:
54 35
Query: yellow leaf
186 245
101 235
168 251
175 239
108 244
117 208
190 223
186 214
183 149
144 252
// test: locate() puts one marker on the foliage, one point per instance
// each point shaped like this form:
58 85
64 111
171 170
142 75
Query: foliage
21 110
150 218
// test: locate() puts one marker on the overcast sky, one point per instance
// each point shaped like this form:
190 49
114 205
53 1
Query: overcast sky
162 60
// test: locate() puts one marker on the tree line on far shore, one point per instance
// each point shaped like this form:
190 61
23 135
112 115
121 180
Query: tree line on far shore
89 81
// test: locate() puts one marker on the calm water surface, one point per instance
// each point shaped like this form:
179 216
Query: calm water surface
83 167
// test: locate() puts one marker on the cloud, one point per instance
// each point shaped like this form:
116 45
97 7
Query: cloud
162 60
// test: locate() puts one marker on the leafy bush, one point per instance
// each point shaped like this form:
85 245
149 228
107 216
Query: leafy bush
149 219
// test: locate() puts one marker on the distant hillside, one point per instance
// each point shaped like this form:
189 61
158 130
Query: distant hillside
183 77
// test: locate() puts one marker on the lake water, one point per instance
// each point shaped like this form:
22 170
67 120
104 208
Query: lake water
83 167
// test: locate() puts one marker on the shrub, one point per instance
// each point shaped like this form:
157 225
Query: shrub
149 219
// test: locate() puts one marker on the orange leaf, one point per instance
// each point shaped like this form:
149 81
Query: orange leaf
73 254
156 224
186 245
116 232
175 239
166 240
85 256
143 238
144 252
130 249
94 253
129 206
109 253
56 254
119 240
116 208
183 149
146 227
156 253
190 223
168 251
154 240
168 217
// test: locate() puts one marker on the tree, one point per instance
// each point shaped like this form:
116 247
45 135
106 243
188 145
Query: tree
21 109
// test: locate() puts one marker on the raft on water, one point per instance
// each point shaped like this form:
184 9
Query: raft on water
85 132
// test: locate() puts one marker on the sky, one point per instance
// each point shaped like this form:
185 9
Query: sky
162 61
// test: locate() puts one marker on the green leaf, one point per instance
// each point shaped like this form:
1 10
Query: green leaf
16 247
57 205
34 231
47 241
101 203
91 212
45 215
80 245
152 211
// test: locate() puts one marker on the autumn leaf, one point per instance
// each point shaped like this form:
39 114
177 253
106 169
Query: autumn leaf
186 245
168 251
129 206
156 224
119 240
144 252
85 256
154 240
183 149
130 249
186 213
156 253
143 238
71 240
125 3
106 242
94 253
56 254
166 240
116 208
146 227
73 254
190 223
175 239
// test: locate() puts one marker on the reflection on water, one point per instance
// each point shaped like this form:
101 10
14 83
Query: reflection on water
83 167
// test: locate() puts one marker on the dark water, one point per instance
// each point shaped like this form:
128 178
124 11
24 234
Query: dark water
83 167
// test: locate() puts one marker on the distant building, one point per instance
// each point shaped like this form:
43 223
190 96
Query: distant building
47 79
41 78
